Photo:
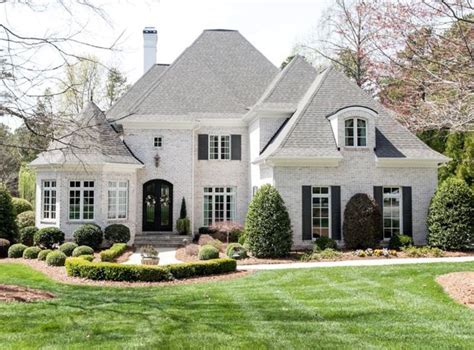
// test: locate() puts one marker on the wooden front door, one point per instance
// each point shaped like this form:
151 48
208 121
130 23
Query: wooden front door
157 206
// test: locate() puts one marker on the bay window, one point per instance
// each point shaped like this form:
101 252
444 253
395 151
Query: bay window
48 207
81 200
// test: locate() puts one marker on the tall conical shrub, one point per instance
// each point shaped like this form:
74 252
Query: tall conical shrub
183 213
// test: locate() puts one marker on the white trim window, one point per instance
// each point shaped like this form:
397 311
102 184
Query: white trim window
321 212
117 200
219 147
158 142
81 200
48 207
392 211
219 205
353 127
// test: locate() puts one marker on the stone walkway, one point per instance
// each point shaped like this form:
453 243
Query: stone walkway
372 262
167 256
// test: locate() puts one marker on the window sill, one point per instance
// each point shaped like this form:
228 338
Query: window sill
75 222
48 222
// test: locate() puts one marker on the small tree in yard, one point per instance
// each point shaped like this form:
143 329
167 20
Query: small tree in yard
183 225
267 226
451 216
8 227
362 222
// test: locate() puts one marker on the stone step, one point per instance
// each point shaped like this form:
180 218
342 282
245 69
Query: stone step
160 239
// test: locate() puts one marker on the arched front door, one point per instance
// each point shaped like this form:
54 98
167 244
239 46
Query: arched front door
157 206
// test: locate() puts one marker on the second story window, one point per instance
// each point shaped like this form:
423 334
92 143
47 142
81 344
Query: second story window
355 132
158 142
219 147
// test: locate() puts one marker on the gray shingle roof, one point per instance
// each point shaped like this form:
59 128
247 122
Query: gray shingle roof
89 139
308 133
221 72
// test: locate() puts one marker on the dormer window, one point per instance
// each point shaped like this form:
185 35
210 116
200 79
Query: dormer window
355 132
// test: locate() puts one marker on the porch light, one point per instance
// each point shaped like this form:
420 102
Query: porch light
157 160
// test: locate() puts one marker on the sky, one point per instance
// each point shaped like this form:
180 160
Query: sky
273 27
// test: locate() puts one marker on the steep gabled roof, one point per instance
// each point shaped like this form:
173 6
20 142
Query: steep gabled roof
89 139
221 72
308 133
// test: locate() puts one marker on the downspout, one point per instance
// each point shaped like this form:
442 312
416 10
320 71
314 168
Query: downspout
195 128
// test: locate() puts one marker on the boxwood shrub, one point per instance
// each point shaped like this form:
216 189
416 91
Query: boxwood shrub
31 252
82 250
4 245
113 252
400 241
208 252
27 235
117 233
325 242
56 258
67 248
47 237
89 234
236 251
25 219
21 205
78 267
86 257
43 254
16 250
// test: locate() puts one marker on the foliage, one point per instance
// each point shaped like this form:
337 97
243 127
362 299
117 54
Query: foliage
192 249
67 248
27 235
399 241
21 205
31 252
8 226
267 226
117 233
327 254
236 251
113 252
56 258
149 251
323 242
419 252
451 216
183 212
47 237
183 226
145 273
362 222
25 219
4 245
27 184
208 252
9 159
82 250
87 257
226 231
16 250
88 234
115 86
43 254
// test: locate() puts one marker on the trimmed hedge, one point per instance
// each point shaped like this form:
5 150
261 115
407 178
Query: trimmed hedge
117 233
16 250
89 234
67 248
113 252
86 257
43 254
21 205
47 237
31 252
78 267
27 235
4 245
208 252
25 219
56 258
82 250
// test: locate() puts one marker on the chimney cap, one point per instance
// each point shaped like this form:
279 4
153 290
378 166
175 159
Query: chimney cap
150 30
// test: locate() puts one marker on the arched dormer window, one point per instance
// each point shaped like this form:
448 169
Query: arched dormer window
355 132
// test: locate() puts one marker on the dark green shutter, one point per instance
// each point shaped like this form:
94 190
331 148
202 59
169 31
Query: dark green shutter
336 212
203 146
306 211
407 211
236 144
378 196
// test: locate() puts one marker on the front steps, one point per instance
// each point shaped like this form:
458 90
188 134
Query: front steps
161 239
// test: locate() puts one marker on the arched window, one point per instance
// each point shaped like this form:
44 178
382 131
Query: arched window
355 132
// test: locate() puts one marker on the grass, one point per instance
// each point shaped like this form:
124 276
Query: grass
362 307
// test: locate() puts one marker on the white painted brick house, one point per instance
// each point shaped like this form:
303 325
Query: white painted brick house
219 122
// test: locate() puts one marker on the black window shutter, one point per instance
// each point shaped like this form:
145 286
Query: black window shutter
407 211
307 217
236 144
378 196
336 212
203 146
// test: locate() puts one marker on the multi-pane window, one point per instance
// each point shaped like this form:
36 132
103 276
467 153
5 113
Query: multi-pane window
391 211
49 200
219 147
219 204
81 200
355 132
158 142
321 212
117 200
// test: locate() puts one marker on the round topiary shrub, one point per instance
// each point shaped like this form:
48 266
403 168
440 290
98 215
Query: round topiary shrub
236 251
362 222
4 245
27 235
47 237
208 252
117 233
8 226
451 216
21 205
82 250
25 219
16 250
267 226
56 258
43 254
31 252
400 241
67 248
88 234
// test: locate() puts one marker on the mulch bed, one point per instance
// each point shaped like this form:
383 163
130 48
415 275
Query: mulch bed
459 286
59 274
10 293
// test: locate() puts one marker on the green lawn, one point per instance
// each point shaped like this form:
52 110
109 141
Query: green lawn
365 307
